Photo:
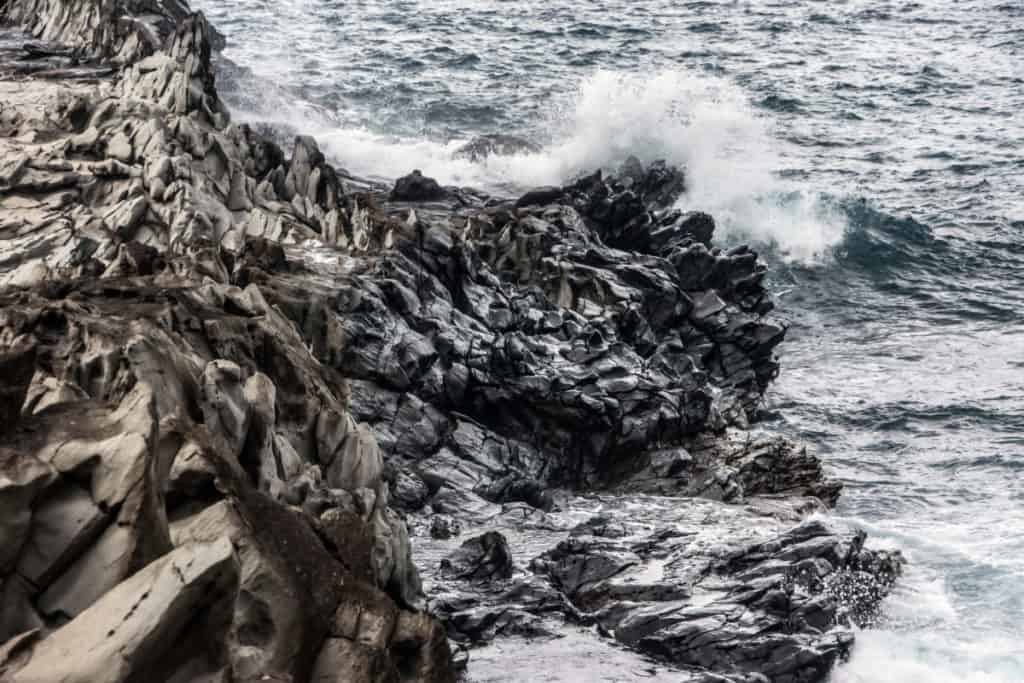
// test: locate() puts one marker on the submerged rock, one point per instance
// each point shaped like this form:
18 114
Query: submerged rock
496 144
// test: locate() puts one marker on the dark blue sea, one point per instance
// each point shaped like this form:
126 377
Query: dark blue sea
873 150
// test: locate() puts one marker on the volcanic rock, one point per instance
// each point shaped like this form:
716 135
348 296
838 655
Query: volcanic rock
185 494
233 379
416 187
482 558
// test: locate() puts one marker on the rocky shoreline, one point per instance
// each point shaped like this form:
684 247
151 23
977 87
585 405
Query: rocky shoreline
249 400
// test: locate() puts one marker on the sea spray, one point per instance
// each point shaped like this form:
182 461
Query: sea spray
703 123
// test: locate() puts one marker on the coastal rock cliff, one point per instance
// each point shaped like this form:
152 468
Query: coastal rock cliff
247 400
186 495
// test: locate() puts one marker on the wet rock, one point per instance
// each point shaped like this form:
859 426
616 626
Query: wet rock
261 254
497 144
443 527
409 492
482 558
540 196
484 624
576 563
416 187
463 504
661 184
604 526
696 224
218 343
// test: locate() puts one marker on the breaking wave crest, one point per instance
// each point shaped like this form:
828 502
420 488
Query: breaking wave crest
704 123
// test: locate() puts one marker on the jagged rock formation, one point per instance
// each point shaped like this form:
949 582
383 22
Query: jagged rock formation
736 592
234 379
185 495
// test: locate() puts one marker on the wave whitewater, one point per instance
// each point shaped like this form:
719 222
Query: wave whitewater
702 123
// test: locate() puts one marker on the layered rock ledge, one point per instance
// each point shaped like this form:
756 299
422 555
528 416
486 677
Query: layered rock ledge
246 400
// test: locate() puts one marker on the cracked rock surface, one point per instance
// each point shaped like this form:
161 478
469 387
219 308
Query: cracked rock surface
185 494
247 400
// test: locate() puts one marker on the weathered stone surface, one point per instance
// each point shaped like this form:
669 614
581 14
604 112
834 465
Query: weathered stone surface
132 629
483 558
416 187
63 523
540 196
22 477
17 363
153 401
213 352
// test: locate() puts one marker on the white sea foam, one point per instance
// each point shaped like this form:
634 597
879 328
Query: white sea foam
925 638
929 657
708 125
704 123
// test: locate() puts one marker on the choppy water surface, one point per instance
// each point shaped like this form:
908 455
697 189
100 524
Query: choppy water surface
876 148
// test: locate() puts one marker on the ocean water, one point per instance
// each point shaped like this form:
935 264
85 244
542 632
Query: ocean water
875 152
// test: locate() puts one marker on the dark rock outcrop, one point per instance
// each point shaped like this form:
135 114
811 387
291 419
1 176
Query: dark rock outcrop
185 494
483 558
416 187
236 381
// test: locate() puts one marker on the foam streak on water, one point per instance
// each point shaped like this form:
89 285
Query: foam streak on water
875 150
